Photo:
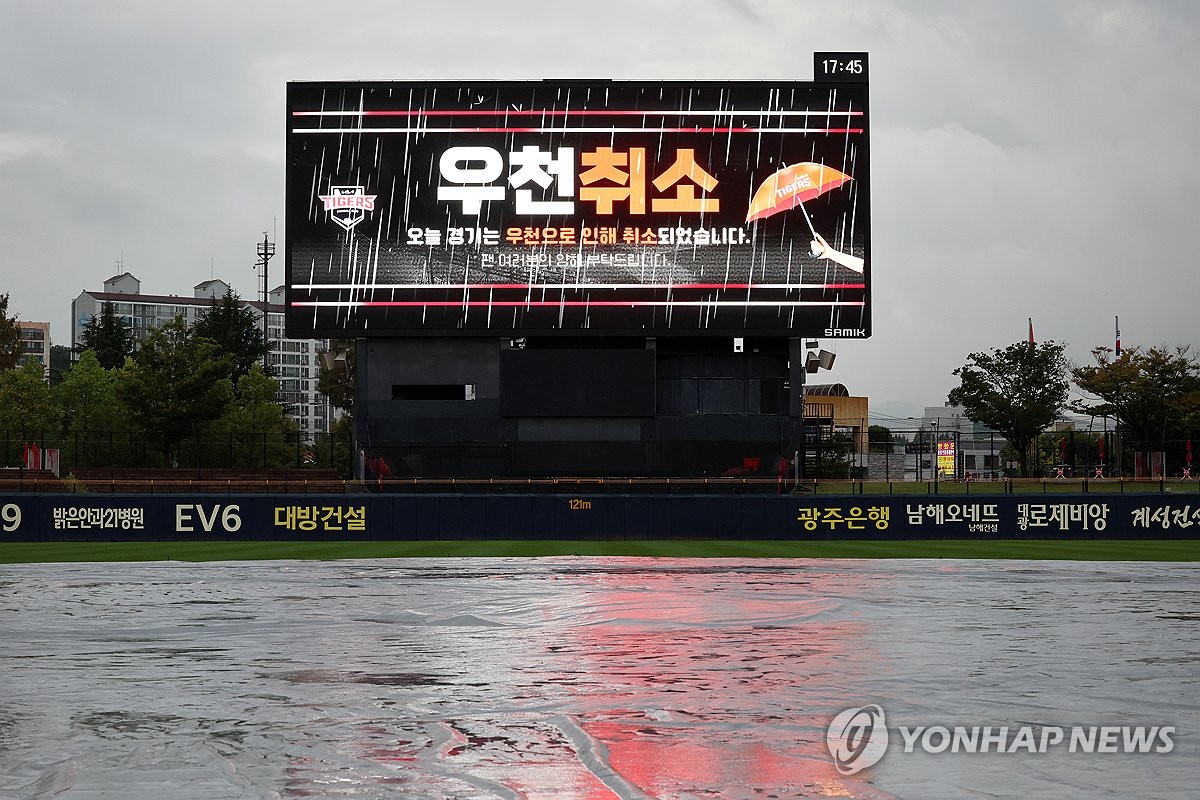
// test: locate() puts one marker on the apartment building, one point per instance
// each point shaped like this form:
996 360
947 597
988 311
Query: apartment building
35 337
294 360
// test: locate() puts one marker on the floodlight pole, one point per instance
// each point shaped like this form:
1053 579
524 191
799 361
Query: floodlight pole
265 251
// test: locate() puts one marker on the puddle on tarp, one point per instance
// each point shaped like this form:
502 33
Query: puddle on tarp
583 677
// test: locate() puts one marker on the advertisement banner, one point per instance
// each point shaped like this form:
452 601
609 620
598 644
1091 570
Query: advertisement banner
1003 516
946 459
578 207
44 517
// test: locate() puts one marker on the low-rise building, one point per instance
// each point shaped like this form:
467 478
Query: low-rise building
35 338
956 446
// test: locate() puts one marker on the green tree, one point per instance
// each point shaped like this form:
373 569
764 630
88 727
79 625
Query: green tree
11 346
1153 393
335 380
335 377
174 384
237 332
60 363
27 408
91 412
333 449
834 457
879 439
254 425
1008 457
109 336
1017 392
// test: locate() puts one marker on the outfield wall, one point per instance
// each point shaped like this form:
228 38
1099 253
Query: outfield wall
159 517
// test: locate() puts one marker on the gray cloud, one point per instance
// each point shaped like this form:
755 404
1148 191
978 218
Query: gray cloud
1029 158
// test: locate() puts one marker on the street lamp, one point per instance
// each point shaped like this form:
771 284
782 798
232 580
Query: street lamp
916 446
936 448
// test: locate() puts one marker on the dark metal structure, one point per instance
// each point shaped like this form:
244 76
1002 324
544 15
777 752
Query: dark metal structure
560 406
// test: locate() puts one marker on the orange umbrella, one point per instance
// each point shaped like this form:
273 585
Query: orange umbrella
791 186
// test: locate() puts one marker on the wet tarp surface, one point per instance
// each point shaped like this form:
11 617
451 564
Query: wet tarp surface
586 677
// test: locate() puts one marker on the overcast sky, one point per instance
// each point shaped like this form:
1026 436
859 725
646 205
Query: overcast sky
1029 158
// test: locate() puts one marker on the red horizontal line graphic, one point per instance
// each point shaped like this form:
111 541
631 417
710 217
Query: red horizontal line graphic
569 113
568 129
591 287
557 303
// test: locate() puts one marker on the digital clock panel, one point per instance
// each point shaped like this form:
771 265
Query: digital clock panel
840 66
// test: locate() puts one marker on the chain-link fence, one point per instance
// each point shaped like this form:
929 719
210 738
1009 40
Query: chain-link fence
126 449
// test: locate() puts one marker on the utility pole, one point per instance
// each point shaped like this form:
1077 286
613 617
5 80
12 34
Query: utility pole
266 249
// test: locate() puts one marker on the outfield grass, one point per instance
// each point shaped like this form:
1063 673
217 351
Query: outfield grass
1115 550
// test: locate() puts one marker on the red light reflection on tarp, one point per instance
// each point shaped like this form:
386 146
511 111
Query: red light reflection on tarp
663 678
668 761
719 679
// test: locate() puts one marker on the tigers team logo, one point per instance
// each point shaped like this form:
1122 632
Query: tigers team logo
348 205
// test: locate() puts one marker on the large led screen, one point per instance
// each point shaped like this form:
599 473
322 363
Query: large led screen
578 207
